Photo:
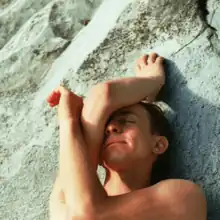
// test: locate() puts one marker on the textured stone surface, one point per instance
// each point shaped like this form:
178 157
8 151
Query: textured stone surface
44 42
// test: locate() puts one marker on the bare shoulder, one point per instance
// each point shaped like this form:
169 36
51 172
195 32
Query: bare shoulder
185 195
177 186
168 200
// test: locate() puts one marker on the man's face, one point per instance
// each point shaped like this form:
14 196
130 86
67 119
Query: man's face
129 128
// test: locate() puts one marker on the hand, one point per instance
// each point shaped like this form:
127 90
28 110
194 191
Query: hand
70 105
151 66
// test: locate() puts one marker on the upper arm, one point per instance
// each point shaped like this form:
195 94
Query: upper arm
95 114
186 199
183 201
192 201
137 205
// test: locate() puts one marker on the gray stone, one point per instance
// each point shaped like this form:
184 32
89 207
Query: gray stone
48 43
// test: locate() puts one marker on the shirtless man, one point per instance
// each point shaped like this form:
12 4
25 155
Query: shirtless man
125 149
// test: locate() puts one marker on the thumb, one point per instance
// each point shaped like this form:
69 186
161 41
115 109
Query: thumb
54 98
62 90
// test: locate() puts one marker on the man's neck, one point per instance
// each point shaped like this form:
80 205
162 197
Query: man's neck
116 185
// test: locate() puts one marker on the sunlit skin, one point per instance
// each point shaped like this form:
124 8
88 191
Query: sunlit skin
132 159
128 162
129 165
54 98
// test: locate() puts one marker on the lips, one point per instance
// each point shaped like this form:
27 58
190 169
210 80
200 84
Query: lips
112 142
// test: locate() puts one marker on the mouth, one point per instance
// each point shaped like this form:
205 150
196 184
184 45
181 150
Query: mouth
116 142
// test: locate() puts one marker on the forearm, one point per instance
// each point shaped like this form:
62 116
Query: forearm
131 90
81 185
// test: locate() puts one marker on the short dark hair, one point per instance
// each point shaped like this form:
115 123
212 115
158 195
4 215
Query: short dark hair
161 126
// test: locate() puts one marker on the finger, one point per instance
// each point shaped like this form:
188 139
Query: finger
51 96
54 97
160 60
62 90
142 61
152 58
52 104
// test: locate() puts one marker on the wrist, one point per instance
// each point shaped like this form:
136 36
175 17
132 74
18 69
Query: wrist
151 97
160 80
70 123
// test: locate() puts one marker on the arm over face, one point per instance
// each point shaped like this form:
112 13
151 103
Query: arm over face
171 199
95 114
105 98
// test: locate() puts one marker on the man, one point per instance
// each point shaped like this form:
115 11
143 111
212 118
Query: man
113 129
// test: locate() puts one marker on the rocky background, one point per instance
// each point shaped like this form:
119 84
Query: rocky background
83 42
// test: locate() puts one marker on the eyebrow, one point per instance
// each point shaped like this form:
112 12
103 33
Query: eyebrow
120 113
124 112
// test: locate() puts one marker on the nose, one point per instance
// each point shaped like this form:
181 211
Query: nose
113 128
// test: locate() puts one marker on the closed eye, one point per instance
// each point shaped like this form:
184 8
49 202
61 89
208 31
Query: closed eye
124 121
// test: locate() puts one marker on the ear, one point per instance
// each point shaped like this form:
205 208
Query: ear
161 145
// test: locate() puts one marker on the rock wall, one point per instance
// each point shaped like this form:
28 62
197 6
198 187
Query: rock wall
44 42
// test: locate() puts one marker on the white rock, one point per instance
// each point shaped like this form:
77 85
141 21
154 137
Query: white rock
45 42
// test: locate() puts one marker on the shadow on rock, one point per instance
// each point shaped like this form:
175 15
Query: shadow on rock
196 129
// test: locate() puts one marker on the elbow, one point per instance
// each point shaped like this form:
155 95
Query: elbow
100 93
86 215
103 90
93 212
